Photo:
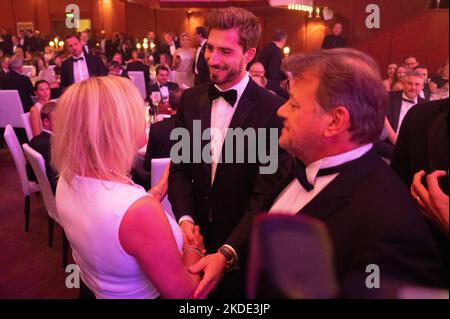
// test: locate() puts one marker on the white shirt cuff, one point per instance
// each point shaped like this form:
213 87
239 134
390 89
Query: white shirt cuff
233 251
184 218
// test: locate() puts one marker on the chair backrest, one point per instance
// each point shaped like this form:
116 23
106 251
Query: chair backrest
290 257
28 70
158 167
27 125
37 163
137 77
19 158
10 108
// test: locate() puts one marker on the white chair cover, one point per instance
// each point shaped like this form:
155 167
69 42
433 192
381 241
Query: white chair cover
137 77
27 125
10 108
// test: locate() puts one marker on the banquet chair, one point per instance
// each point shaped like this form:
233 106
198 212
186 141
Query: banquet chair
37 162
290 257
28 70
137 77
157 168
10 109
27 125
28 187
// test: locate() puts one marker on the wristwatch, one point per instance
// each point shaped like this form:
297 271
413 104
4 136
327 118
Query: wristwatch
229 257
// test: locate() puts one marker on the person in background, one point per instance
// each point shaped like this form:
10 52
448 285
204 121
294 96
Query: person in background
116 69
15 80
201 70
183 61
42 90
334 40
440 81
397 81
257 73
41 142
4 61
271 56
104 214
392 67
410 62
425 93
48 54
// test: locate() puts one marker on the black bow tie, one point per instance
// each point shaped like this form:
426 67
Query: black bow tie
78 59
230 96
409 101
300 173
162 85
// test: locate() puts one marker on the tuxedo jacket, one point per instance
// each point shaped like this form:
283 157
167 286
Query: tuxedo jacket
332 41
385 148
190 189
171 86
271 57
94 64
202 67
371 219
41 144
21 83
159 143
140 66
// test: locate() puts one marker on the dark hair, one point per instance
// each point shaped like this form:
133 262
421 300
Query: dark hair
247 23
279 35
174 98
202 31
348 78
72 35
160 68
167 56
420 67
114 64
47 108
36 85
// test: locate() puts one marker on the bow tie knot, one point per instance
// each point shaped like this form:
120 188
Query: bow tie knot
408 100
230 96
78 59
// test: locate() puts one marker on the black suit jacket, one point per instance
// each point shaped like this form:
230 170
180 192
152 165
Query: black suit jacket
385 148
42 145
271 57
21 83
332 41
371 219
190 190
94 64
171 85
159 143
202 67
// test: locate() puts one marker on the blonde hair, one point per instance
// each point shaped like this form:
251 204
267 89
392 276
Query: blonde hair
96 125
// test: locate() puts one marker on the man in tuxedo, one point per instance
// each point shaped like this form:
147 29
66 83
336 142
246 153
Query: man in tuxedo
87 43
136 64
163 85
15 44
210 193
4 62
79 66
201 70
271 56
422 145
41 143
334 40
425 93
116 69
14 80
257 71
336 111
170 44
410 62
400 102
5 42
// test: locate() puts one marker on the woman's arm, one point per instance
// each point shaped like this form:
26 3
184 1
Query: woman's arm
145 234
35 121
392 136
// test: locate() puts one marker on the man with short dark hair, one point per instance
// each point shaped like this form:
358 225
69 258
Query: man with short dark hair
79 66
201 71
211 193
425 93
116 69
163 85
410 62
271 56
334 40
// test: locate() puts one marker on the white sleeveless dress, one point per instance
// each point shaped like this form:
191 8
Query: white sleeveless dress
90 211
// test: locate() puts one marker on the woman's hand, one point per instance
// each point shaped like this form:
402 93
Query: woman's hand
159 191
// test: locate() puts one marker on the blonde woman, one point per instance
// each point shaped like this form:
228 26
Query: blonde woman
183 61
125 245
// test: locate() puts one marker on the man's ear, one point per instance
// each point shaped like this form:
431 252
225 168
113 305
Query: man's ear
340 121
249 55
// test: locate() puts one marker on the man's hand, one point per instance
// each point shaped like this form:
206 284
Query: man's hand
213 267
433 201
188 230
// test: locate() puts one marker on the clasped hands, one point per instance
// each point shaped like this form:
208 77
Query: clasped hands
212 265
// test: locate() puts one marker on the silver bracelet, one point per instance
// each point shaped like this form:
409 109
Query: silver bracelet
193 249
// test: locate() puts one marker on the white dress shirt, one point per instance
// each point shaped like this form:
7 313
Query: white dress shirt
294 197
406 106
80 69
197 55
172 48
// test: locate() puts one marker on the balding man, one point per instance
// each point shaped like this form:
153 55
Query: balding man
14 80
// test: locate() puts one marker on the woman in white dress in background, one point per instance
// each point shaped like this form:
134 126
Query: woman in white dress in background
183 61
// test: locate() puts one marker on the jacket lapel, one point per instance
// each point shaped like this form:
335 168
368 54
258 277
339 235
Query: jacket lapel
337 194
205 117
396 108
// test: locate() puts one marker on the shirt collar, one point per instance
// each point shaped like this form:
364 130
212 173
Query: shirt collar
47 131
203 42
404 96
239 87
81 56
331 161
